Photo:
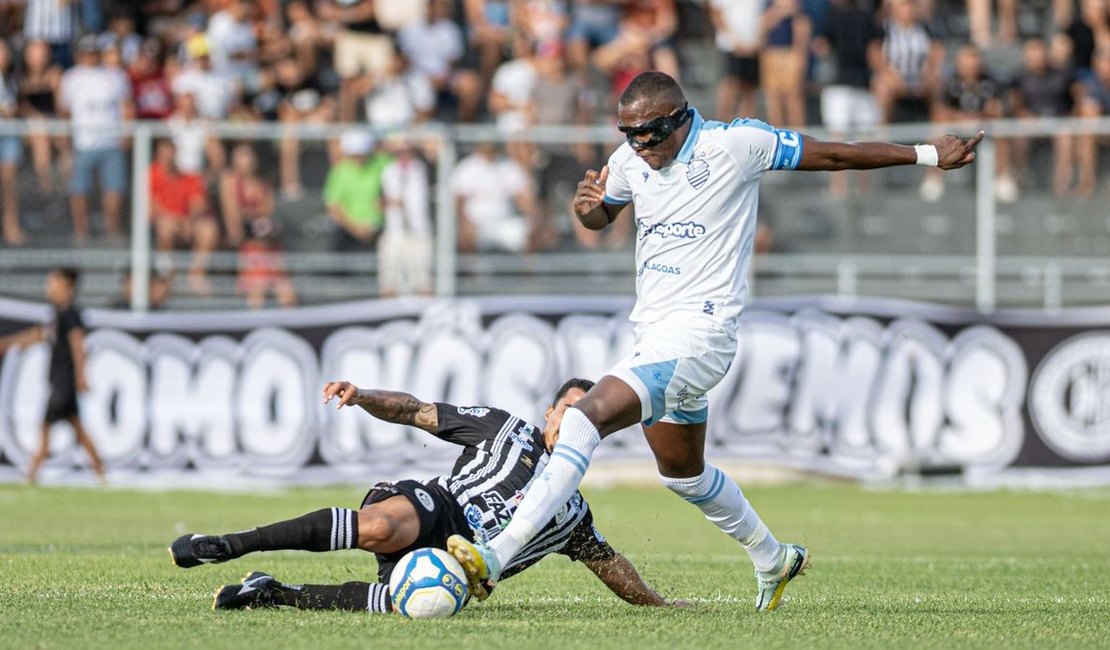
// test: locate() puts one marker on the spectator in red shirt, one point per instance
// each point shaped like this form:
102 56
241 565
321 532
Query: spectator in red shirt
149 89
179 210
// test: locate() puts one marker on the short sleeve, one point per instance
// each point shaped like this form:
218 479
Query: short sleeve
617 190
468 425
586 544
70 320
758 147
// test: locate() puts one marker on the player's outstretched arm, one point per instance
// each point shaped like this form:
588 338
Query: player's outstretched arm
950 151
589 204
391 406
621 577
23 338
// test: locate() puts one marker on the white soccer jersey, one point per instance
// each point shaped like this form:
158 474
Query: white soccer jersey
695 219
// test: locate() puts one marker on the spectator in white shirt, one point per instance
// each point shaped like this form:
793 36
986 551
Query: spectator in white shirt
198 151
405 247
434 48
494 201
233 44
96 99
216 94
738 38
394 99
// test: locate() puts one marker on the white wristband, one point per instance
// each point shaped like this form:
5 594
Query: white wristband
926 155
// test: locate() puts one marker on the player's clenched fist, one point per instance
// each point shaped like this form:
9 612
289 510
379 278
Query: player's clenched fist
591 192
344 390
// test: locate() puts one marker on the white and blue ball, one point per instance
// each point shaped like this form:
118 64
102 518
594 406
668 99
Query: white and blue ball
428 583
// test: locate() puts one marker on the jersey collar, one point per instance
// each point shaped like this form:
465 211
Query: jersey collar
686 154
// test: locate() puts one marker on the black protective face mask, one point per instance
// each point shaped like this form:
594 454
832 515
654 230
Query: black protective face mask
656 130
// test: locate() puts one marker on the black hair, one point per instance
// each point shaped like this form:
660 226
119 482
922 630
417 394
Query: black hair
68 272
655 86
582 384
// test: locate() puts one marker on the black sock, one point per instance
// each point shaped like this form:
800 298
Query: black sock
351 596
330 529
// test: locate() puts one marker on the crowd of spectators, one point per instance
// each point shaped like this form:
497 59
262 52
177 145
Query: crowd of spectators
387 65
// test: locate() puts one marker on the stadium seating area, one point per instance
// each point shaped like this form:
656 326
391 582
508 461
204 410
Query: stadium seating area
386 67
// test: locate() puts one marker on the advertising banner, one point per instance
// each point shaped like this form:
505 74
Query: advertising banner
865 388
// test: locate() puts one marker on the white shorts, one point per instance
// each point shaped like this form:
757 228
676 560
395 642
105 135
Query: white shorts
846 109
672 366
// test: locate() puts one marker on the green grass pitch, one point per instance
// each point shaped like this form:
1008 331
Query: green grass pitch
89 569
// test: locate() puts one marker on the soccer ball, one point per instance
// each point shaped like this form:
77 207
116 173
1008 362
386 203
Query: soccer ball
428 583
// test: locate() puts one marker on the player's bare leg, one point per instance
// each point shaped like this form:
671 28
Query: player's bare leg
679 451
609 406
86 442
40 454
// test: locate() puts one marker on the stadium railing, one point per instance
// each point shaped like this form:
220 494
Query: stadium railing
967 249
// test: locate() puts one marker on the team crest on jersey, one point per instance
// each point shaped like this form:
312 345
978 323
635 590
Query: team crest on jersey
697 173
527 460
473 516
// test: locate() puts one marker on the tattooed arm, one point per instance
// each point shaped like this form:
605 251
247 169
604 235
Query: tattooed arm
396 407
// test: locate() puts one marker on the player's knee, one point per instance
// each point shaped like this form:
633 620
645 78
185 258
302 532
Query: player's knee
683 484
374 528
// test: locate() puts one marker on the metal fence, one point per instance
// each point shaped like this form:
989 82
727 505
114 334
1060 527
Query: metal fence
967 248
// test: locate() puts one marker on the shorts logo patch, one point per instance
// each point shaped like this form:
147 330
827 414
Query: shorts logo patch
476 411
709 307
527 460
425 499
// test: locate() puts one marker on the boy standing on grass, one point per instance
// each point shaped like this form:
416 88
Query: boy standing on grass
66 335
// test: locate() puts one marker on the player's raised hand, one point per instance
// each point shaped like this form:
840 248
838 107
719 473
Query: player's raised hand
345 391
954 152
591 192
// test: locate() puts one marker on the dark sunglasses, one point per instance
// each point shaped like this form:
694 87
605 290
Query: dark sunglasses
656 131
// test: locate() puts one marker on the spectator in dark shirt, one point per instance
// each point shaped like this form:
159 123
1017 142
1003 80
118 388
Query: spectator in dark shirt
302 101
1045 90
970 95
68 379
1087 31
1094 102
852 38
787 33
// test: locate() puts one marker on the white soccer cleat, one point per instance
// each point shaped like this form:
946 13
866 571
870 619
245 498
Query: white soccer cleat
771 584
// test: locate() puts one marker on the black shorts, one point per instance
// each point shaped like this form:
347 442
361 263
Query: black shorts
744 68
62 404
439 513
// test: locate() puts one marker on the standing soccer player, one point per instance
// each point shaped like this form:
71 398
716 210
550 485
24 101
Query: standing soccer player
67 367
695 188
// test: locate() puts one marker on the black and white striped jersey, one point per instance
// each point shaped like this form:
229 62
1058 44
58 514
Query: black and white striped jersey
907 49
502 455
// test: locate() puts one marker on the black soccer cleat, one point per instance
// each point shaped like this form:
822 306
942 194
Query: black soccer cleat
257 590
194 550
